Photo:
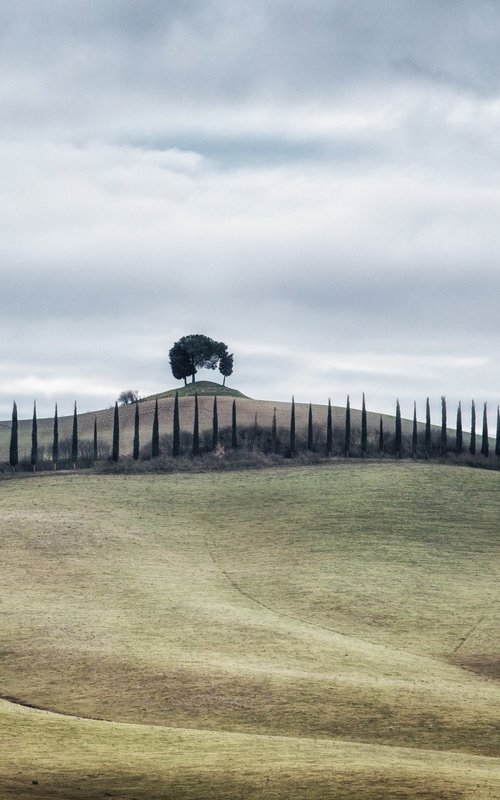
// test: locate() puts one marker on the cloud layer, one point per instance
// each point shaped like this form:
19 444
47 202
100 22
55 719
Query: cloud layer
315 184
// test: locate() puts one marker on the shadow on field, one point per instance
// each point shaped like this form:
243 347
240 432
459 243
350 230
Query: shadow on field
485 664
221 785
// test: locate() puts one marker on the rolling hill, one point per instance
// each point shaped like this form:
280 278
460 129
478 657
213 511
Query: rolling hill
315 632
248 410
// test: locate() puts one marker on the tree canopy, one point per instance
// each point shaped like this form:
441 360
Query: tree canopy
128 396
226 365
197 351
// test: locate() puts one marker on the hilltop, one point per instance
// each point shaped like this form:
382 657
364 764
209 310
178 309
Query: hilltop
254 423
249 412
201 388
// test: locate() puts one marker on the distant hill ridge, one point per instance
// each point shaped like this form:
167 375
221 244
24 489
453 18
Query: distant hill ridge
249 411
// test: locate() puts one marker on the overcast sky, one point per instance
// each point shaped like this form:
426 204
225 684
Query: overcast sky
314 183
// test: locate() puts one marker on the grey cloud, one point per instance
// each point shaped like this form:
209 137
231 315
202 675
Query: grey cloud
315 183
84 64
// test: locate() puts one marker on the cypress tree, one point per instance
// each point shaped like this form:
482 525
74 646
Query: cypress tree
34 439
381 436
292 429
329 430
116 435
497 441
215 425
347 432
364 428
74 438
196 429
155 433
444 425
176 429
397 432
136 445
255 431
274 433
485 445
310 432
428 431
472 445
96 451
14 450
414 434
234 427
459 442
55 439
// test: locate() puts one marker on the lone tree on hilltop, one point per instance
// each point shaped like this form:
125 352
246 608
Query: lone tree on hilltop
197 351
180 363
226 365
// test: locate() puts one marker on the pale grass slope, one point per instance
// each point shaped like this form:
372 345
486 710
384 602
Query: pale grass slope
307 632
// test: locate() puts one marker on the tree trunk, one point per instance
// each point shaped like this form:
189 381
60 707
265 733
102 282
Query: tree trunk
224 381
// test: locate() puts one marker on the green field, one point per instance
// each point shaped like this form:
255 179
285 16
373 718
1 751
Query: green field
316 632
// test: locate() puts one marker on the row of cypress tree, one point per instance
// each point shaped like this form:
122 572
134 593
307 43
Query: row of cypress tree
274 443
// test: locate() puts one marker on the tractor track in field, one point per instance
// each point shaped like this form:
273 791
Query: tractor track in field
317 625
469 633
309 623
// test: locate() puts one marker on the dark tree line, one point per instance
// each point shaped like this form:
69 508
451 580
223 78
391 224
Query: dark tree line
322 437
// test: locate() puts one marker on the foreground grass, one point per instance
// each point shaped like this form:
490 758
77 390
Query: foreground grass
48 756
308 632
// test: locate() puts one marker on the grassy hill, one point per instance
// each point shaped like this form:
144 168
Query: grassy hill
296 633
248 410
201 388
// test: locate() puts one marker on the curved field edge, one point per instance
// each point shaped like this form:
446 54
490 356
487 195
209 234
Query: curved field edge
48 756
